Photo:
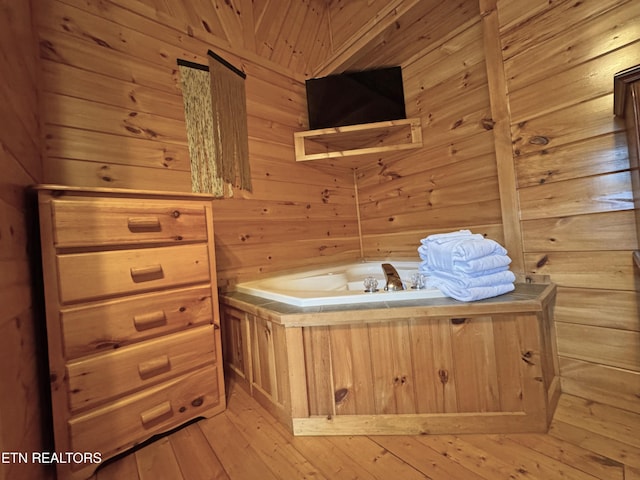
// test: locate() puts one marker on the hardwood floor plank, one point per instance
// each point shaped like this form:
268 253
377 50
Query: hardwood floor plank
433 464
321 454
157 460
240 460
599 466
631 473
377 460
607 447
609 421
586 441
330 460
121 468
272 445
524 460
473 458
194 454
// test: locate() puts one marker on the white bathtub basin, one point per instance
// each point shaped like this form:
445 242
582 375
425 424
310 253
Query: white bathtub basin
337 285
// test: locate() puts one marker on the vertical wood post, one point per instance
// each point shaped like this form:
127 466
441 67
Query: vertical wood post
501 116
297 373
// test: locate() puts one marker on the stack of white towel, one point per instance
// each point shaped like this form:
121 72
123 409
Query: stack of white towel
465 266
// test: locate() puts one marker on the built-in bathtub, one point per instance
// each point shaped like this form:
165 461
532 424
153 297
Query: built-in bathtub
338 285
433 365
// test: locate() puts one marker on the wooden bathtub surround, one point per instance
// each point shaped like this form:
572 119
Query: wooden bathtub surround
418 367
132 316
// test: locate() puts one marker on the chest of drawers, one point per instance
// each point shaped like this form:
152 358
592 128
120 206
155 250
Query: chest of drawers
132 318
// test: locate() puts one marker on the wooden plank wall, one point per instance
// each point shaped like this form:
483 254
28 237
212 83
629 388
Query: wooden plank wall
570 159
573 182
451 183
113 116
22 381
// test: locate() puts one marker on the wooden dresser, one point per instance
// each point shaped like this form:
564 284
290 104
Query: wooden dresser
132 318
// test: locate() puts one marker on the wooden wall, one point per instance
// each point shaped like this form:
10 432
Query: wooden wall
450 183
574 184
21 379
113 116
570 174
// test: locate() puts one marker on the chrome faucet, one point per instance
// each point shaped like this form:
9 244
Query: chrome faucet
393 279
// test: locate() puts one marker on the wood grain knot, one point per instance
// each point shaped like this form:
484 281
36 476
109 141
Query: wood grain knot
400 380
526 356
340 395
539 140
542 262
488 123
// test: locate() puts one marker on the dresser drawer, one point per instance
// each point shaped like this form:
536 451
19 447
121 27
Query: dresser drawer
101 222
105 326
90 276
130 420
93 380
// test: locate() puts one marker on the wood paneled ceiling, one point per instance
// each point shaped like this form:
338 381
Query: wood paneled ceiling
291 33
319 37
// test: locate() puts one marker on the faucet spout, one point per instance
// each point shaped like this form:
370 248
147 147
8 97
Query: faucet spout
393 278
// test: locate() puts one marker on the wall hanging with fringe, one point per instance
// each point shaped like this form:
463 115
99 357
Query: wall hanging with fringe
216 121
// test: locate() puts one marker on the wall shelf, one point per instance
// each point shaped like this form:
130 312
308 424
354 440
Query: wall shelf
353 140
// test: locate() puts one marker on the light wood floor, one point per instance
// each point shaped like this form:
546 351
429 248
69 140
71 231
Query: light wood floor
586 441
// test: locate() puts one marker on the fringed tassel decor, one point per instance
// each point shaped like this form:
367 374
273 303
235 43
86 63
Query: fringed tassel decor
216 121
196 94
229 107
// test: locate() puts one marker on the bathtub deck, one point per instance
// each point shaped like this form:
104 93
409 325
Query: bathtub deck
525 297
587 441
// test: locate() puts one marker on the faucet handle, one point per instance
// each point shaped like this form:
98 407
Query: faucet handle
370 284
418 281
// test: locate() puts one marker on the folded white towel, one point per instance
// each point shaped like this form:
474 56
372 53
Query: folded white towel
479 266
469 249
475 293
474 268
445 255
465 266
425 270
438 278
440 238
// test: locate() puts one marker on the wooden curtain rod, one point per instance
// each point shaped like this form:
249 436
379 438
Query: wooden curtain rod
198 66
227 64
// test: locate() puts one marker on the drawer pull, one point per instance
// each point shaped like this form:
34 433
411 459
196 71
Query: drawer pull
143 224
145 321
146 274
154 367
157 413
